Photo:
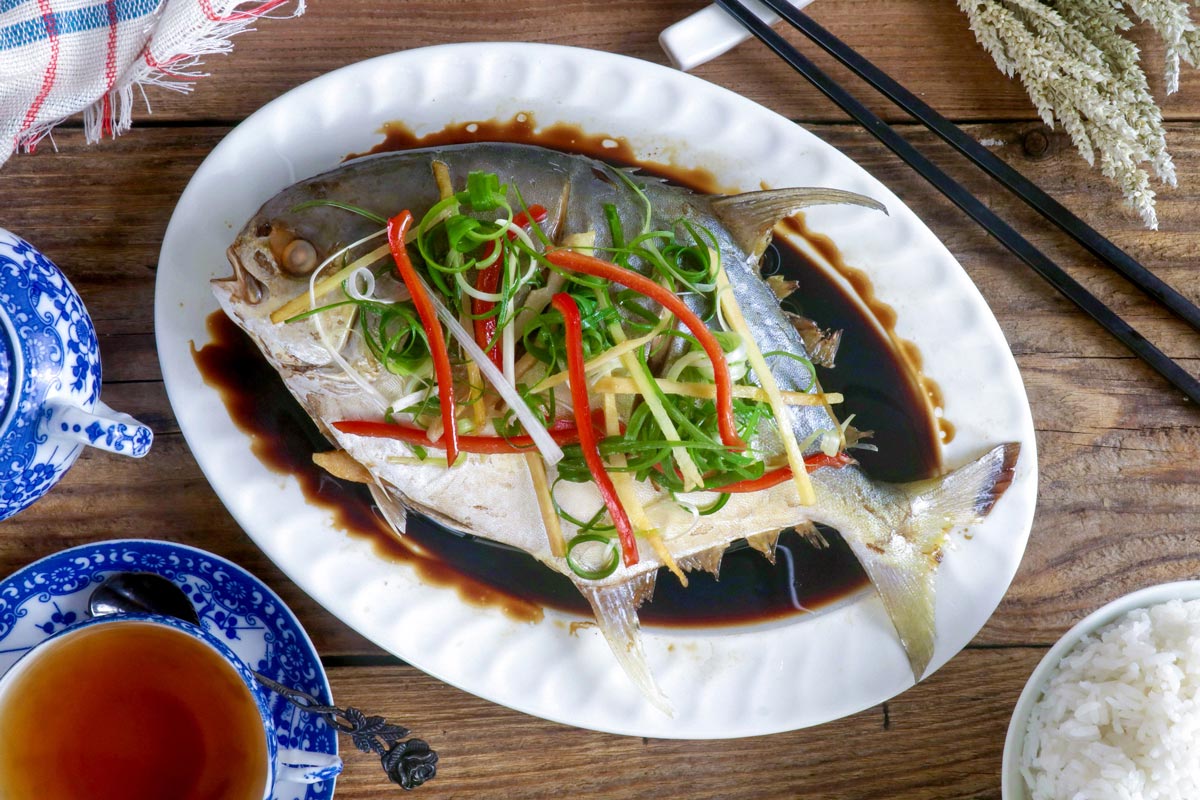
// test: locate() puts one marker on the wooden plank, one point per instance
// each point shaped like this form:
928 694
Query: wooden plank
925 44
941 739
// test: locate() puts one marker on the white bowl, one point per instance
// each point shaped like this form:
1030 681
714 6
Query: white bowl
1012 784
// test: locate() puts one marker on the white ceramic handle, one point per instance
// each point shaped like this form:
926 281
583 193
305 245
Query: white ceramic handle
303 766
710 32
103 428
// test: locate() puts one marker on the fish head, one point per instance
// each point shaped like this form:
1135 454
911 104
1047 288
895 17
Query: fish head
301 230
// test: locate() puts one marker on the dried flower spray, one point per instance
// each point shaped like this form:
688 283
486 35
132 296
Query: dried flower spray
1083 74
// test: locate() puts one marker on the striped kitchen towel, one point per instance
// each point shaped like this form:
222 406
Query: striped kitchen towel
60 57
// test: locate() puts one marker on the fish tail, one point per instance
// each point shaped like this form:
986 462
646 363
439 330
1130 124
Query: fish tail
615 607
911 524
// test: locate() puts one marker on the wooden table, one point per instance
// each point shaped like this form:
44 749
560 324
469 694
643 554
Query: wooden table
1118 448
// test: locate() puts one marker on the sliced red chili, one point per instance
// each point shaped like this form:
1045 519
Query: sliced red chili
397 227
590 265
777 476
563 431
587 437
488 281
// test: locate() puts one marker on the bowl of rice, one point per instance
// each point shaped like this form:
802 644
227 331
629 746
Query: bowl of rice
1113 709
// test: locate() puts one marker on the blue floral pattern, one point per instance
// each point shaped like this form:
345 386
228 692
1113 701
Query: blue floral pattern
52 594
49 358
46 320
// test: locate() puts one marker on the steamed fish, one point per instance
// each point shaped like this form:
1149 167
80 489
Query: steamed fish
580 362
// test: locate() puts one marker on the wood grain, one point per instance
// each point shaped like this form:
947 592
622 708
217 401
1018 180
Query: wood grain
1119 491
940 740
925 44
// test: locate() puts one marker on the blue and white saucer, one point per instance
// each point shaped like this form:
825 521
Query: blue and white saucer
52 594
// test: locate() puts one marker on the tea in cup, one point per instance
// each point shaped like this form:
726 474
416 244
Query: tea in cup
141 707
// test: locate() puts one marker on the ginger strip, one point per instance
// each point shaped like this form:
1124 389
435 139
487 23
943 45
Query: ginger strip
708 391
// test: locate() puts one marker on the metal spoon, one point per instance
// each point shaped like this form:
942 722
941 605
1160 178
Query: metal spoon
407 762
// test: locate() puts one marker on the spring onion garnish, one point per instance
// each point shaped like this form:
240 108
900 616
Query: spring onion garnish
603 359
549 449
635 364
627 492
609 556
333 348
565 304
485 296
812 463
589 265
362 212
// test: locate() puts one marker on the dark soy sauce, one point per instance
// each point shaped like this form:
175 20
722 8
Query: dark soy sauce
878 373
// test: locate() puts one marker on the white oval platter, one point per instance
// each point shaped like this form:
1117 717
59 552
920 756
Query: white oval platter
726 682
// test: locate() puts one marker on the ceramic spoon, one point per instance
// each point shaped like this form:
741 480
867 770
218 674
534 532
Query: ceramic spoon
408 762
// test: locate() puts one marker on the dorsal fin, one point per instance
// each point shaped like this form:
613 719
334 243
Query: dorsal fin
749 217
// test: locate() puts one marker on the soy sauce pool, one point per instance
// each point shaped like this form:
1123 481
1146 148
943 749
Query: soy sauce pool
874 370
879 388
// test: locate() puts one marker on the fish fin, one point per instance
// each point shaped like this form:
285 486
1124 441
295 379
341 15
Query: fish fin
392 510
749 217
615 607
341 464
902 556
765 543
708 560
810 533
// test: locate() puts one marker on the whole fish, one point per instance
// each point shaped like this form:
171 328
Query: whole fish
895 531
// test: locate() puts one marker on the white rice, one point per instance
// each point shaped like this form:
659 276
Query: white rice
1120 718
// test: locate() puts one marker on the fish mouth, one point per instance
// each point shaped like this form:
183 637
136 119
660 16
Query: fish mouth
246 288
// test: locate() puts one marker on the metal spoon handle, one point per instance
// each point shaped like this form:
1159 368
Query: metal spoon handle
407 762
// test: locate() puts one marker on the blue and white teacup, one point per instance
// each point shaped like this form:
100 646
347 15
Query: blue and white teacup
49 380
283 765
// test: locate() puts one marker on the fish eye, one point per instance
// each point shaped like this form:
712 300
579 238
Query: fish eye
299 257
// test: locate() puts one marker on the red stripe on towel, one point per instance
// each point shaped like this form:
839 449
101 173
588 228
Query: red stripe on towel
110 69
51 23
253 13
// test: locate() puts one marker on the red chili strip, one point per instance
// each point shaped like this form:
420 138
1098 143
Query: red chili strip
587 437
589 265
777 476
397 227
563 431
489 281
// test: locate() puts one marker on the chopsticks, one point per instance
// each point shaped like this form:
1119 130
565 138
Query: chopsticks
999 169
961 197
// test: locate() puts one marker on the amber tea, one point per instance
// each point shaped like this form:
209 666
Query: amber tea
130 710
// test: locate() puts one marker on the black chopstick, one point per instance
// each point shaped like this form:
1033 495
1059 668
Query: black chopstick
957 194
1017 183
